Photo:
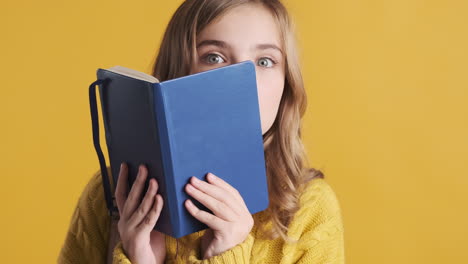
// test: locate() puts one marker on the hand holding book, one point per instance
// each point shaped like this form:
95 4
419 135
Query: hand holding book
140 242
231 220
229 226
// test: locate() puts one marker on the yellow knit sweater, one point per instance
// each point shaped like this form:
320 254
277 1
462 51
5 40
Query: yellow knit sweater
318 226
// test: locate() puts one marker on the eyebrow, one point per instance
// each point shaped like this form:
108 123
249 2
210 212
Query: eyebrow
224 45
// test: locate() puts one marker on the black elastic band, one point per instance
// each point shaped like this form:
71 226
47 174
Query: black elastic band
102 162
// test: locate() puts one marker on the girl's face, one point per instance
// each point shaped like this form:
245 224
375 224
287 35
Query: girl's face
247 32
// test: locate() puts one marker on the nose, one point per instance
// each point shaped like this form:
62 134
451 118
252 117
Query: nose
243 58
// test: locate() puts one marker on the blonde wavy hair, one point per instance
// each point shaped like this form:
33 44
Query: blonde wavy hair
284 152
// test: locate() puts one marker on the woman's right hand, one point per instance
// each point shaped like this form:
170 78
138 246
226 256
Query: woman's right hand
141 243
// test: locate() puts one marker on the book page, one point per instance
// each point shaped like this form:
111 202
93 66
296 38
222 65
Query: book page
133 74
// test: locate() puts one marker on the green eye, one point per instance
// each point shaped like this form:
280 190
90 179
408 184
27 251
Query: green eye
265 62
214 59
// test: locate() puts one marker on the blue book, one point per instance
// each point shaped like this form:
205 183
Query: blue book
179 128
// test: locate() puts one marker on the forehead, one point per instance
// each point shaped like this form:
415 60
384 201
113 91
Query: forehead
245 25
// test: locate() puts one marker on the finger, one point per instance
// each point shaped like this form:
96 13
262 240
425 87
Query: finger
145 205
210 220
217 181
219 208
135 193
152 217
121 188
218 193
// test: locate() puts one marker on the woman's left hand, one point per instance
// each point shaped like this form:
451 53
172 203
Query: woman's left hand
231 223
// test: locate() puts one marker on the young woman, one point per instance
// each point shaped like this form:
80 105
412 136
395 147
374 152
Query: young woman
303 223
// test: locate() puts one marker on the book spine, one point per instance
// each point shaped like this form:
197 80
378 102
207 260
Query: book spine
163 122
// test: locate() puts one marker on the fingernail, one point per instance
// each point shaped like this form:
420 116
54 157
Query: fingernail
211 176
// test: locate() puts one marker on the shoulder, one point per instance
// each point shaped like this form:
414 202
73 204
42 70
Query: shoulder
319 210
93 194
87 236
92 206
317 193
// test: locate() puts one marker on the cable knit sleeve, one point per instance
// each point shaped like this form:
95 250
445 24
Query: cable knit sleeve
86 239
119 256
238 254
319 223
331 251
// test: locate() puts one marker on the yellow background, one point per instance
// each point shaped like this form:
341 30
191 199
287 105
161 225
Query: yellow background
387 121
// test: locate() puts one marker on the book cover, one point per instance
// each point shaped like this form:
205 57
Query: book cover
184 127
